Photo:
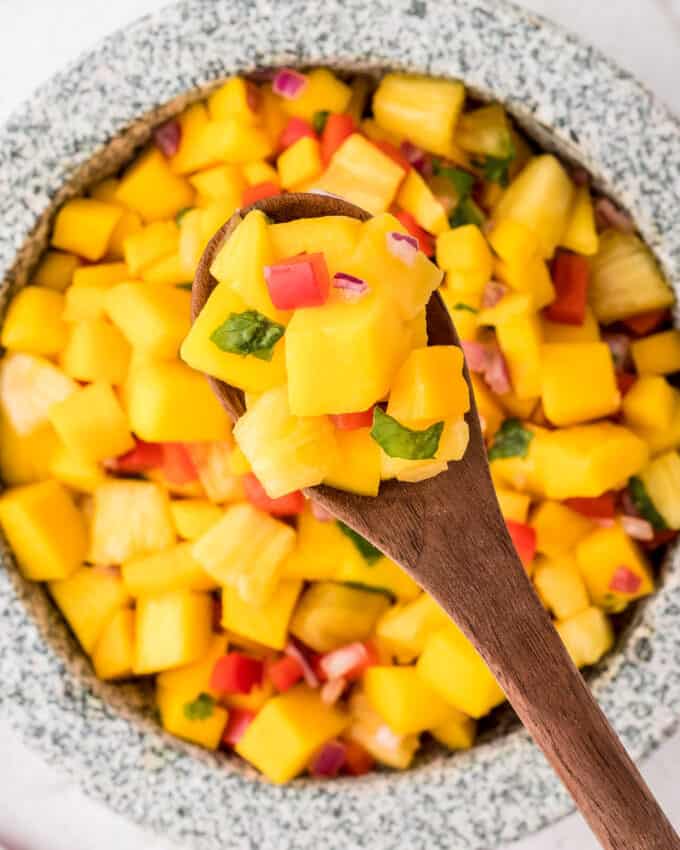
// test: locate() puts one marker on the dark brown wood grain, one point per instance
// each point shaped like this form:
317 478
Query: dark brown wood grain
448 533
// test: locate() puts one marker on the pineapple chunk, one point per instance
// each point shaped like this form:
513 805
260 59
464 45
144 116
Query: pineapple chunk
457 732
164 571
204 727
561 587
153 318
567 398
26 459
558 528
92 423
267 623
246 550
29 386
416 197
213 462
34 323
650 403
286 452
113 652
193 517
357 463
84 227
288 731
625 279
661 479
129 519
369 729
322 91
95 351
403 700
151 189
45 530
587 636
404 629
658 354
331 615
171 630
430 386
485 131
88 599
55 270
452 445
335 236
581 234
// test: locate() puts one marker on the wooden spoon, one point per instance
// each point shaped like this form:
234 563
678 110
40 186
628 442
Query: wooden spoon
448 534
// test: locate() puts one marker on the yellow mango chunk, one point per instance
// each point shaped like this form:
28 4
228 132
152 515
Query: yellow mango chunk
222 141
55 270
248 372
514 506
464 249
451 666
300 163
129 519
581 233
235 99
614 568
520 341
34 322
589 331
286 452
44 529
86 298
153 318
457 732
258 696
357 463
404 629
587 636
330 615
289 730
84 227
170 271
245 549
491 414
192 123
195 678
561 587
222 182
320 550
558 528
192 717
193 517
421 109
260 172
369 729
152 393
660 440
567 398
174 568
75 471
650 403
405 702
88 599
151 189
416 197
322 91
171 629
267 623
128 224
155 241
335 236
113 652
658 354
362 174
95 351
26 458
430 386
514 242
92 423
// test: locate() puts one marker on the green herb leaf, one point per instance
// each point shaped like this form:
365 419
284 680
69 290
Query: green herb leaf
319 120
200 709
370 588
248 333
644 504
496 169
462 181
462 306
512 440
184 286
397 440
367 550
467 212
180 215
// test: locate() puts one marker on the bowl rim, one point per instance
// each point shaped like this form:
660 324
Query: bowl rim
578 101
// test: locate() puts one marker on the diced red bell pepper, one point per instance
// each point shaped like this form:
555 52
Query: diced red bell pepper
285 672
425 240
524 539
625 580
348 662
168 137
301 281
644 323
394 154
571 274
352 421
624 381
143 457
358 761
288 505
239 720
599 507
337 129
178 467
259 192
296 129
236 673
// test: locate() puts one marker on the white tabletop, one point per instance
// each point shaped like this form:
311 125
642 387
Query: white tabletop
39 809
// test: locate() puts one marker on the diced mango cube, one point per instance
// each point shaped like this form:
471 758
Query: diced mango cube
192 123
404 629
451 666
262 171
335 236
222 182
45 530
95 351
153 318
513 505
26 458
113 653
561 587
416 197
88 600
195 678
650 403
92 423
128 224
34 322
567 398
169 271
558 528
658 354
237 98
174 568
581 233
86 298
520 341
288 731
300 163
204 727
84 227
491 414
357 463
155 241
320 550
589 331
55 270
150 188
457 732
171 629
193 517
430 386
266 623
369 729
464 249
402 698
514 242
587 636
322 91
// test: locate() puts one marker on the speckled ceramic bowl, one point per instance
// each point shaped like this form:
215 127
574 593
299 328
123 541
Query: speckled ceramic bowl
82 125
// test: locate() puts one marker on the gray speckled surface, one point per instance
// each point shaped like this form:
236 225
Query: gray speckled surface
103 735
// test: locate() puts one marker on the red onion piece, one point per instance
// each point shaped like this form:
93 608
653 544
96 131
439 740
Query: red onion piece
418 158
309 674
607 214
289 83
353 288
580 176
497 375
619 345
637 528
489 362
625 580
493 292
332 690
342 661
320 513
403 246
328 761
476 355
168 137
